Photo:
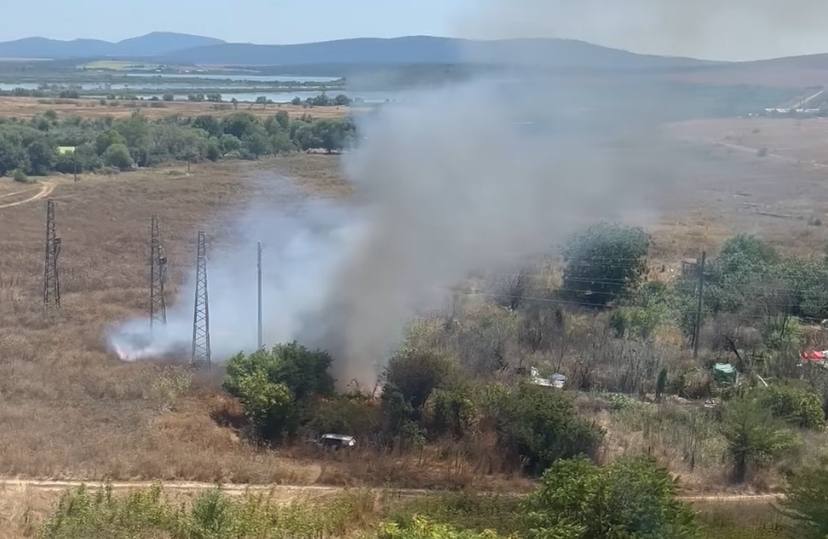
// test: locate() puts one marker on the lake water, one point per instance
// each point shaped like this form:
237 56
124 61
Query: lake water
369 97
236 78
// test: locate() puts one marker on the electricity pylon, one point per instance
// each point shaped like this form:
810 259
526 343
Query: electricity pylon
158 276
51 277
201 312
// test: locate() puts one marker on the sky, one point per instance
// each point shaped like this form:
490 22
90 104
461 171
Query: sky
715 29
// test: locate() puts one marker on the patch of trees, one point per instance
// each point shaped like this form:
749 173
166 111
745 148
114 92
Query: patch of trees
31 146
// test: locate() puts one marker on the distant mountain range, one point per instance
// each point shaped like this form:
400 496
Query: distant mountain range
150 45
174 48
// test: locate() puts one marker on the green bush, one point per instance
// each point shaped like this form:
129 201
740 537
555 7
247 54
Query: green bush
603 262
415 373
276 386
117 155
805 502
539 425
20 176
422 528
797 406
450 412
212 515
631 499
753 434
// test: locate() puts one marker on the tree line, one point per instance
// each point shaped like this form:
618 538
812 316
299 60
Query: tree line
32 147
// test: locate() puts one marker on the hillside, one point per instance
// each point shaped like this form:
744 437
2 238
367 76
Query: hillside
154 44
558 53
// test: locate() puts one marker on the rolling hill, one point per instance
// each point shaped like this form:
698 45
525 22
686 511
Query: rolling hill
154 44
428 50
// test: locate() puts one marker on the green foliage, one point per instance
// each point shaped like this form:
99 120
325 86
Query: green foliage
630 499
540 426
805 502
353 414
276 386
147 514
603 262
798 406
118 156
415 373
20 176
450 412
754 436
422 528
41 157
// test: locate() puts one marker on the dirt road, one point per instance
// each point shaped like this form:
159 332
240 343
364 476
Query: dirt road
43 191
297 491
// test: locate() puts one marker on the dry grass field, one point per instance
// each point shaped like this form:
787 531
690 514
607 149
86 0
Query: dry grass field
26 107
70 409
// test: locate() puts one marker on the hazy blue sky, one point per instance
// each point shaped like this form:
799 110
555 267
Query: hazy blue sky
258 21
721 29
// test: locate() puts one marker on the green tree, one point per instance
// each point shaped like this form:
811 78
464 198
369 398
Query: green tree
603 262
208 123
795 405
805 502
539 426
107 139
12 154
229 143
283 119
753 435
276 386
118 156
629 499
415 373
41 157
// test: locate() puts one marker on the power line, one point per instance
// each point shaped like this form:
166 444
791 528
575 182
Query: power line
201 309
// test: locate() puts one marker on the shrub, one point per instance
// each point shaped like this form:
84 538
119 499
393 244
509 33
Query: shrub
797 406
212 515
450 412
804 502
117 155
354 414
603 262
631 498
753 435
20 176
275 386
422 528
539 425
416 373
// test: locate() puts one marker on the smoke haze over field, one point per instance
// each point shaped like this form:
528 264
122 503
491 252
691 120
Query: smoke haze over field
714 29
468 177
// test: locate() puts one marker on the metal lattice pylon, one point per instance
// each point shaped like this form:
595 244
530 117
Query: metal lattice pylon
201 313
51 277
158 276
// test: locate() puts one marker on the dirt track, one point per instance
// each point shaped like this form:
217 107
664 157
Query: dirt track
293 491
45 190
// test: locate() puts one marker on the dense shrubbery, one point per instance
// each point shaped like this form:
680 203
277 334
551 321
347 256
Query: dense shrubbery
805 502
277 387
540 426
602 262
630 498
32 146
796 405
147 513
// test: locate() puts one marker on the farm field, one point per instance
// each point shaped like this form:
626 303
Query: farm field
71 409
27 107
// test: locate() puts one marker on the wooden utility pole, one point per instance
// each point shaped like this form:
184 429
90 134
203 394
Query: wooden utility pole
259 263
697 329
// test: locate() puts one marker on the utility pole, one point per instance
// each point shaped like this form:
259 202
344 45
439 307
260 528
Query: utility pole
259 265
697 329
51 277
201 313
158 276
